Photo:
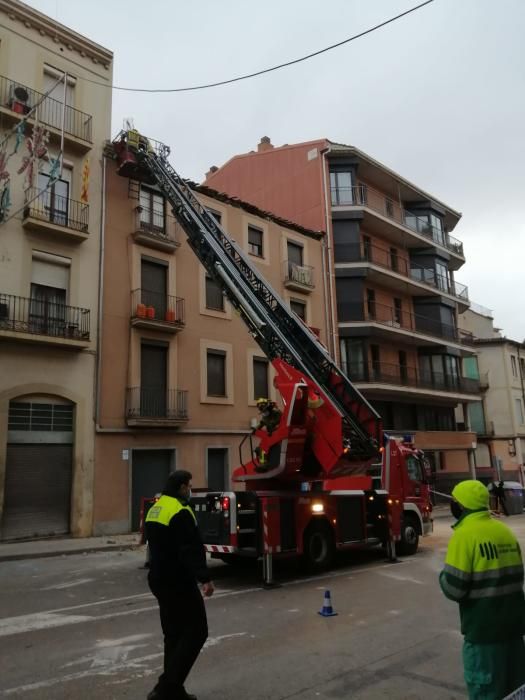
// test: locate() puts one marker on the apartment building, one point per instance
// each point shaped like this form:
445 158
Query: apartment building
53 124
393 298
180 373
500 421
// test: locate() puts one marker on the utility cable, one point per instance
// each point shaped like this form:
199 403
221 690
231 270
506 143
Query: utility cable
265 70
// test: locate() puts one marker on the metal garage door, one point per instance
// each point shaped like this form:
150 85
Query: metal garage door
37 497
149 472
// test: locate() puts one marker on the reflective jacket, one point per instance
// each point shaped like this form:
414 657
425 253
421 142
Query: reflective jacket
177 556
484 574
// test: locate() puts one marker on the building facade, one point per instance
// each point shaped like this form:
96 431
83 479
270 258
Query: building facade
180 373
393 300
500 421
53 124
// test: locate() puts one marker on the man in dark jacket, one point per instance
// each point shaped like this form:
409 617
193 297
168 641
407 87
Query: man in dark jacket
177 565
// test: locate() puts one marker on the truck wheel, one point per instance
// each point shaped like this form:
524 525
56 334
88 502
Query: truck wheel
319 547
409 536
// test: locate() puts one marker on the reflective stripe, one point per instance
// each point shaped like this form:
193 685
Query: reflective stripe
453 591
497 590
493 573
165 509
458 573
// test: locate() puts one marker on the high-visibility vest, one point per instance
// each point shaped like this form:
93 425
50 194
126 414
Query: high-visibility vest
165 509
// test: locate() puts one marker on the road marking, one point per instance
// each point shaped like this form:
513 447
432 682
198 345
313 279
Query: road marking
112 668
400 577
52 618
61 586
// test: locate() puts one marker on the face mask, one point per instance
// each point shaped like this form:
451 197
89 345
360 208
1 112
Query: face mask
188 497
456 509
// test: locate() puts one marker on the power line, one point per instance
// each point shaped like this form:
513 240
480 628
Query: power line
266 70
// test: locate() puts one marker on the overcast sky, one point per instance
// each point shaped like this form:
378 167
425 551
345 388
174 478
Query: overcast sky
439 96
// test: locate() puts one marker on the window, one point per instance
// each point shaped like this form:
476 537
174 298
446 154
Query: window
154 380
389 208
437 229
154 286
415 473
216 215
49 289
522 367
260 378
394 259
341 188
214 295
255 241
217 468
51 110
371 303
398 312
353 358
295 253
54 200
514 365
367 248
519 411
299 308
216 372
403 369
443 277
152 216
376 361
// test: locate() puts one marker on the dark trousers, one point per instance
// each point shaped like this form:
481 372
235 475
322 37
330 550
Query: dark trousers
185 628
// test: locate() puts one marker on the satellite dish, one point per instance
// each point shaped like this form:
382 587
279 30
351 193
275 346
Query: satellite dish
21 94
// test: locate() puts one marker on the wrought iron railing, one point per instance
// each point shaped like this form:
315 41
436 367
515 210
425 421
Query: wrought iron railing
157 402
365 196
403 375
301 274
20 99
157 224
154 306
42 317
45 205
398 261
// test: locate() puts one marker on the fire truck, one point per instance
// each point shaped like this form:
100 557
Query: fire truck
325 477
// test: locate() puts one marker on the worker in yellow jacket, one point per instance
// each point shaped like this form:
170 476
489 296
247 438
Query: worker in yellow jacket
484 574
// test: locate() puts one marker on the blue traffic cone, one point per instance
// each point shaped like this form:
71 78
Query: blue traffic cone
327 610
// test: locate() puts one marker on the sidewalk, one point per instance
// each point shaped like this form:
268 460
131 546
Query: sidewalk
11 551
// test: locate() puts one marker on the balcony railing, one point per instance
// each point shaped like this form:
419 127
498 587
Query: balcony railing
21 99
298 274
385 315
61 211
365 196
152 403
154 306
401 375
390 260
41 317
157 225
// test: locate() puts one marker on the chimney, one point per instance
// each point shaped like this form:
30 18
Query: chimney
264 145
212 170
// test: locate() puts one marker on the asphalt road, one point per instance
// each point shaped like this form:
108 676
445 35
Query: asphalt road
86 627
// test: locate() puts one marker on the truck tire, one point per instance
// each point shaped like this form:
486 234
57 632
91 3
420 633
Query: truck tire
409 535
318 547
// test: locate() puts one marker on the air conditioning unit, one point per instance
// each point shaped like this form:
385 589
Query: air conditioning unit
19 99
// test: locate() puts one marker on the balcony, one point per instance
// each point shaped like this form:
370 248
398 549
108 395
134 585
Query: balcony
298 277
402 377
426 281
156 407
17 100
422 330
156 230
47 212
39 321
156 311
366 198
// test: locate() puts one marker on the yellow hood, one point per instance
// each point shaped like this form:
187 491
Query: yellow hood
472 495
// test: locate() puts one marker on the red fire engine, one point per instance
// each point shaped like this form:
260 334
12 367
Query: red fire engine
308 485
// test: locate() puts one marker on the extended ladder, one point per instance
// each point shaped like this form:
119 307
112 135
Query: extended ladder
277 330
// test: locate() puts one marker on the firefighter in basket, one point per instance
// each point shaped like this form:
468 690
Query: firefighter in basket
269 419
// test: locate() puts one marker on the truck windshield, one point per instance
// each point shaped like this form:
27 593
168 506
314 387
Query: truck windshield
415 469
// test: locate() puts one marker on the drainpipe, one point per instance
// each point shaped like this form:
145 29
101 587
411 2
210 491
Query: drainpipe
519 451
100 295
328 220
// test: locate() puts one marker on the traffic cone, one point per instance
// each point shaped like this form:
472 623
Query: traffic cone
327 610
